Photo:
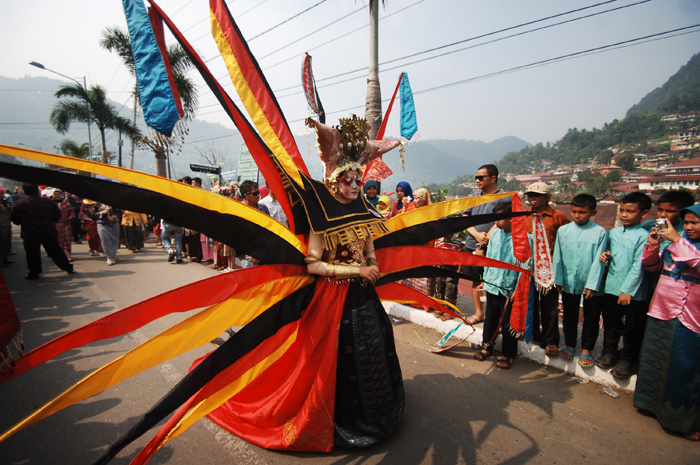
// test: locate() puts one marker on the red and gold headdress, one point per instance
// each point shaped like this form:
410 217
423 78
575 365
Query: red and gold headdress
347 146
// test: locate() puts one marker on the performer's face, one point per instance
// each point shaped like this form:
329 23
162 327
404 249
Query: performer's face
349 185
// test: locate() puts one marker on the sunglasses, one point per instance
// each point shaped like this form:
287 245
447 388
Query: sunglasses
350 182
256 193
481 178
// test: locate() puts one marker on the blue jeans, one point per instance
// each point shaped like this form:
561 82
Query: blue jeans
170 230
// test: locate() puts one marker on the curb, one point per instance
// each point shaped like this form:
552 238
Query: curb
525 350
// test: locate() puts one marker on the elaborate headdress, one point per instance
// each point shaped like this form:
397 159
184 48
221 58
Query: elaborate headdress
347 146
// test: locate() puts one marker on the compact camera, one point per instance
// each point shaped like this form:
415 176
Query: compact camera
661 223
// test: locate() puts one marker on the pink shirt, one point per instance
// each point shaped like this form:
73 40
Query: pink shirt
676 299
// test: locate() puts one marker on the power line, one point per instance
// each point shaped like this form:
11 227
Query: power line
287 20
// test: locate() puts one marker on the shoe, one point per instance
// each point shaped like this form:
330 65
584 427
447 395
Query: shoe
484 353
567 353
179 261
31 276
473 320
623 370
171 257
92 253
102 255
78 241
111 262
586 360
606 361
504 362
551 350
71 271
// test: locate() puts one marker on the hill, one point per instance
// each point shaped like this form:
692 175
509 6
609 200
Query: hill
27 104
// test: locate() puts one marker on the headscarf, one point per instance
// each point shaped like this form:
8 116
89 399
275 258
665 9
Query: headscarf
387 201
422 194
407 194
373 200
263 192
667 257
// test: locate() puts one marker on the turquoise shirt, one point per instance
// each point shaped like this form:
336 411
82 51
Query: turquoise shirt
625 273
497 280
576 257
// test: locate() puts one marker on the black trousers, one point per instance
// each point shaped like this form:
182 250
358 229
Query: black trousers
495 307
545 322
591 320
631 329
32 250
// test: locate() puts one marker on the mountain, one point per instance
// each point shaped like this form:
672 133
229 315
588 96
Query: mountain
27 104
680 94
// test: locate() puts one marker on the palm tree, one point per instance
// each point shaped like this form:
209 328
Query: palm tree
89 106
373 108
72 149
116 40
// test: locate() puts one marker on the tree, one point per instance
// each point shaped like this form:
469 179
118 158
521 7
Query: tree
115 40
72 149
89 106
626 161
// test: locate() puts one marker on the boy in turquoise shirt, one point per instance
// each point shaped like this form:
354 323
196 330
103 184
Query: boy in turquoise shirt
578 272
625 294
499 285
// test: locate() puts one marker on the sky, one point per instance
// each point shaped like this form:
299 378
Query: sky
481 89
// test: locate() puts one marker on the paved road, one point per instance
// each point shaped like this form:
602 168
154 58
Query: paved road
460 411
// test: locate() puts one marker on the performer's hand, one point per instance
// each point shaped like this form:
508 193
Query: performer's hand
369 273
605 257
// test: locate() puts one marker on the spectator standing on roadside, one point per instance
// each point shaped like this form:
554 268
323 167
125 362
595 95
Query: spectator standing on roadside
477 238
64 223
36 216
108 221
275 209
543 226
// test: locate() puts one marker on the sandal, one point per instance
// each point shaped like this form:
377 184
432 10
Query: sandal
483 354
692 436
551 350
473 320
586 360
446 317
567 353
504 362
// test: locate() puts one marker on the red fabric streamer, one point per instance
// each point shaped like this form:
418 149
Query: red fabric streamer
299 415
196 295
380 135
521 243
9 321
157 25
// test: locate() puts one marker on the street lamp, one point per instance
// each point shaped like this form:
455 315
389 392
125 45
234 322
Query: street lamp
40 66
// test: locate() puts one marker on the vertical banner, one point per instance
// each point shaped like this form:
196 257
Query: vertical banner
310 91
409 124
157 101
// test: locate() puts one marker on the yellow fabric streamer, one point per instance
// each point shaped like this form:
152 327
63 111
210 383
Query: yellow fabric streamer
177 190
438 210
193 332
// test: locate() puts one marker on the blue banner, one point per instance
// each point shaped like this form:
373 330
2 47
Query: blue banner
409 124
157 101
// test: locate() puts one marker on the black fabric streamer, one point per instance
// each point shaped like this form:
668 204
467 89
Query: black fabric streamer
241 343
423 233
244 236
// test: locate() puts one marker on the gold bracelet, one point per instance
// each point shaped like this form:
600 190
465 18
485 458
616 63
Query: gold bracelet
311 259
371 261
330 270
346 271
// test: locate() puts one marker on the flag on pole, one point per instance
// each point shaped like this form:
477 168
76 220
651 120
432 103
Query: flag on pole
310 91
157 100
409 124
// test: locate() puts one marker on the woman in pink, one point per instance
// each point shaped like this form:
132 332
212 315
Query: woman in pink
63 225
669 366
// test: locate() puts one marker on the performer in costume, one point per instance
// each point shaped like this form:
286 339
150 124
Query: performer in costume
292 322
